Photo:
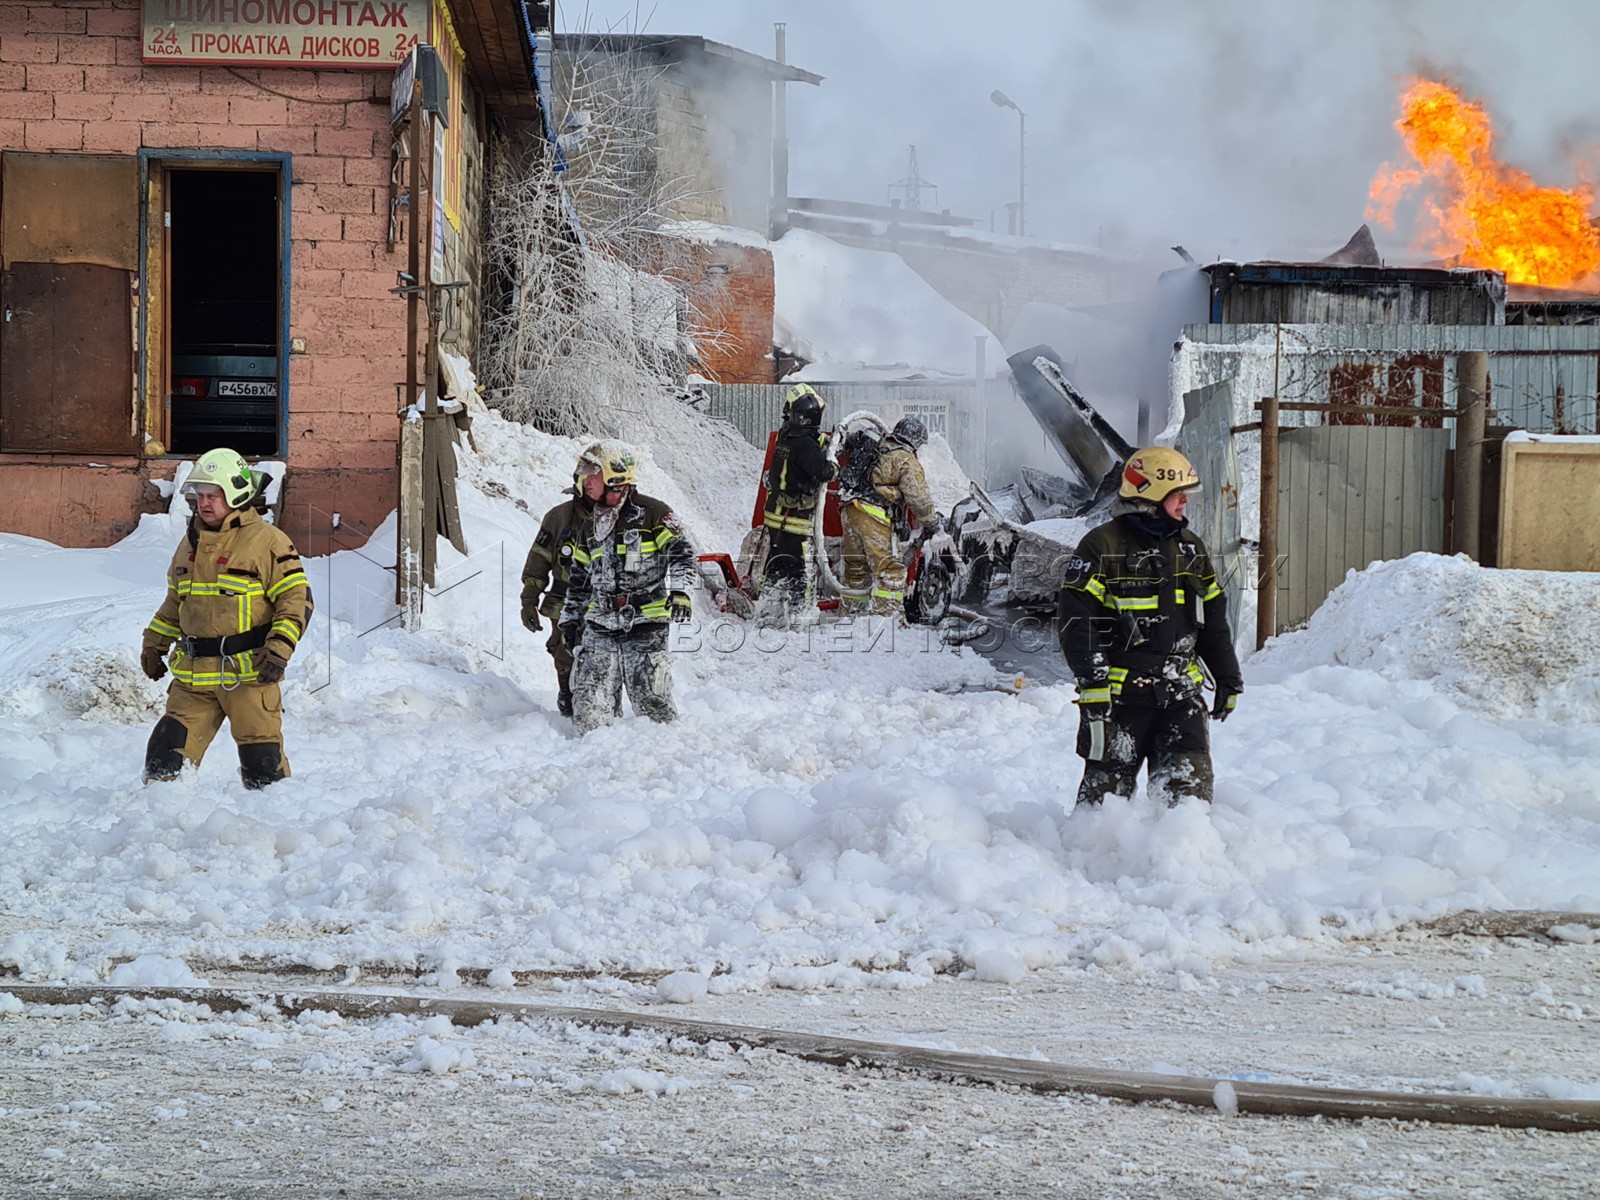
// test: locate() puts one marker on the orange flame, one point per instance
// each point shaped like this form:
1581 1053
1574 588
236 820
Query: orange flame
1483 213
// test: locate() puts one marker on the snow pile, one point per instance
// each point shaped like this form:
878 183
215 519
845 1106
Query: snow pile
629 1080
436 1058
703 468
152 970
841 806
1508 643
865 314
682 987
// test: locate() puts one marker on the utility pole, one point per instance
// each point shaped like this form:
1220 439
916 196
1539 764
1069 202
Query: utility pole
1005 101
1022 173
778 205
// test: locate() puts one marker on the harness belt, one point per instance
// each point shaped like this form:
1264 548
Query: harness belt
219 647
635 600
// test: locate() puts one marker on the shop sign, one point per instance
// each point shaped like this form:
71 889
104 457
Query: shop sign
284 33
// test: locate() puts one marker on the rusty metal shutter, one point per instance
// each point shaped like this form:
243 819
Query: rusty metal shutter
71 208
66 360
69 247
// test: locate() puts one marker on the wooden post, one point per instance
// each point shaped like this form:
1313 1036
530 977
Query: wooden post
409 527
431 429
1267 562
408 564
1472 381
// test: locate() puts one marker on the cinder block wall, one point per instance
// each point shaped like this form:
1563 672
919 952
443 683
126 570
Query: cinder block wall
71 80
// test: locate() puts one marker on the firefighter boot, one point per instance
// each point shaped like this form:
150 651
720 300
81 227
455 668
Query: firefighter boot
163 756
564 692
260 764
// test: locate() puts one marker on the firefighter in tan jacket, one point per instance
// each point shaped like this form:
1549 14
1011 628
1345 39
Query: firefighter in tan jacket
874 574
237 604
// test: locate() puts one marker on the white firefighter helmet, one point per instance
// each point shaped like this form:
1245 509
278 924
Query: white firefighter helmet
226 470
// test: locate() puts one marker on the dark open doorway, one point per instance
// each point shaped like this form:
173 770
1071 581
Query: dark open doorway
225 310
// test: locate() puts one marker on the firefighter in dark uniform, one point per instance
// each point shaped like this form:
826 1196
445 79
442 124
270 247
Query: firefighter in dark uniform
800 471
633 571
1142 619
549 566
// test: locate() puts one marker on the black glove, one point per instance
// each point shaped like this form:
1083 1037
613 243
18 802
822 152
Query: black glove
1094 699
682 608
152 662
1225 703
271 668
570 631
530 619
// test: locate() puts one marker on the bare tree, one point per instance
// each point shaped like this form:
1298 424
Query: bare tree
598 302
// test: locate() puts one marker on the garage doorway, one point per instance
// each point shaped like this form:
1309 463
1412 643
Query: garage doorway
224 307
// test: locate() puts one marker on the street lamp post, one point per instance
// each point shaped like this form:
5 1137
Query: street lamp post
1005 101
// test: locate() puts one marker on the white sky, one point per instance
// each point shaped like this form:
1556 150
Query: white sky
1240 128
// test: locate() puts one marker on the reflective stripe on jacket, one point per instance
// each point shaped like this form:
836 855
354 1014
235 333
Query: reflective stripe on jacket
800 470
633 572
551 555
1138 613
245 575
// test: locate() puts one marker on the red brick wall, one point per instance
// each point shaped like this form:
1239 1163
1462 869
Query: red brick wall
735 334
71 80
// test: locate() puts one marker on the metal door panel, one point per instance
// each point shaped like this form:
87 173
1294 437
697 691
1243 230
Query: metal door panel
66 362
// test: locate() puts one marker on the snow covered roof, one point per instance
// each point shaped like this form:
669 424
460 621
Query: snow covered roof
857 314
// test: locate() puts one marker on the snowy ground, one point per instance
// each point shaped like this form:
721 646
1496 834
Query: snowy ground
836 823
415 1106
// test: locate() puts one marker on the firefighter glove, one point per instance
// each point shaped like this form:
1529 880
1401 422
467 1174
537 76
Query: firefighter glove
1094 700
152 662
1094 706
1224 705
569 633
530 619
271 669
682 608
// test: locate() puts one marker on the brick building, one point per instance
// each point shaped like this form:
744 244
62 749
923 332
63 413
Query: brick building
199 237
705 112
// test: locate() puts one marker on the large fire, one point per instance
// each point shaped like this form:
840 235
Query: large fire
1479 211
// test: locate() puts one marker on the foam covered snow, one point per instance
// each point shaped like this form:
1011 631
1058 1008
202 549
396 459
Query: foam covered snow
838 807
1502 642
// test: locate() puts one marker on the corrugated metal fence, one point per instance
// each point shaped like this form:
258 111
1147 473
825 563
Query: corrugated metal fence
951 409
1351 496
1213 513
1354 488
1542 378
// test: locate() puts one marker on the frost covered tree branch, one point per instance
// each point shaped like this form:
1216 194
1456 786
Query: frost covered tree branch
598 302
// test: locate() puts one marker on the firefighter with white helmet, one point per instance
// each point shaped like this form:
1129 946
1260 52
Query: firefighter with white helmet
237 604
633 572
1142 621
